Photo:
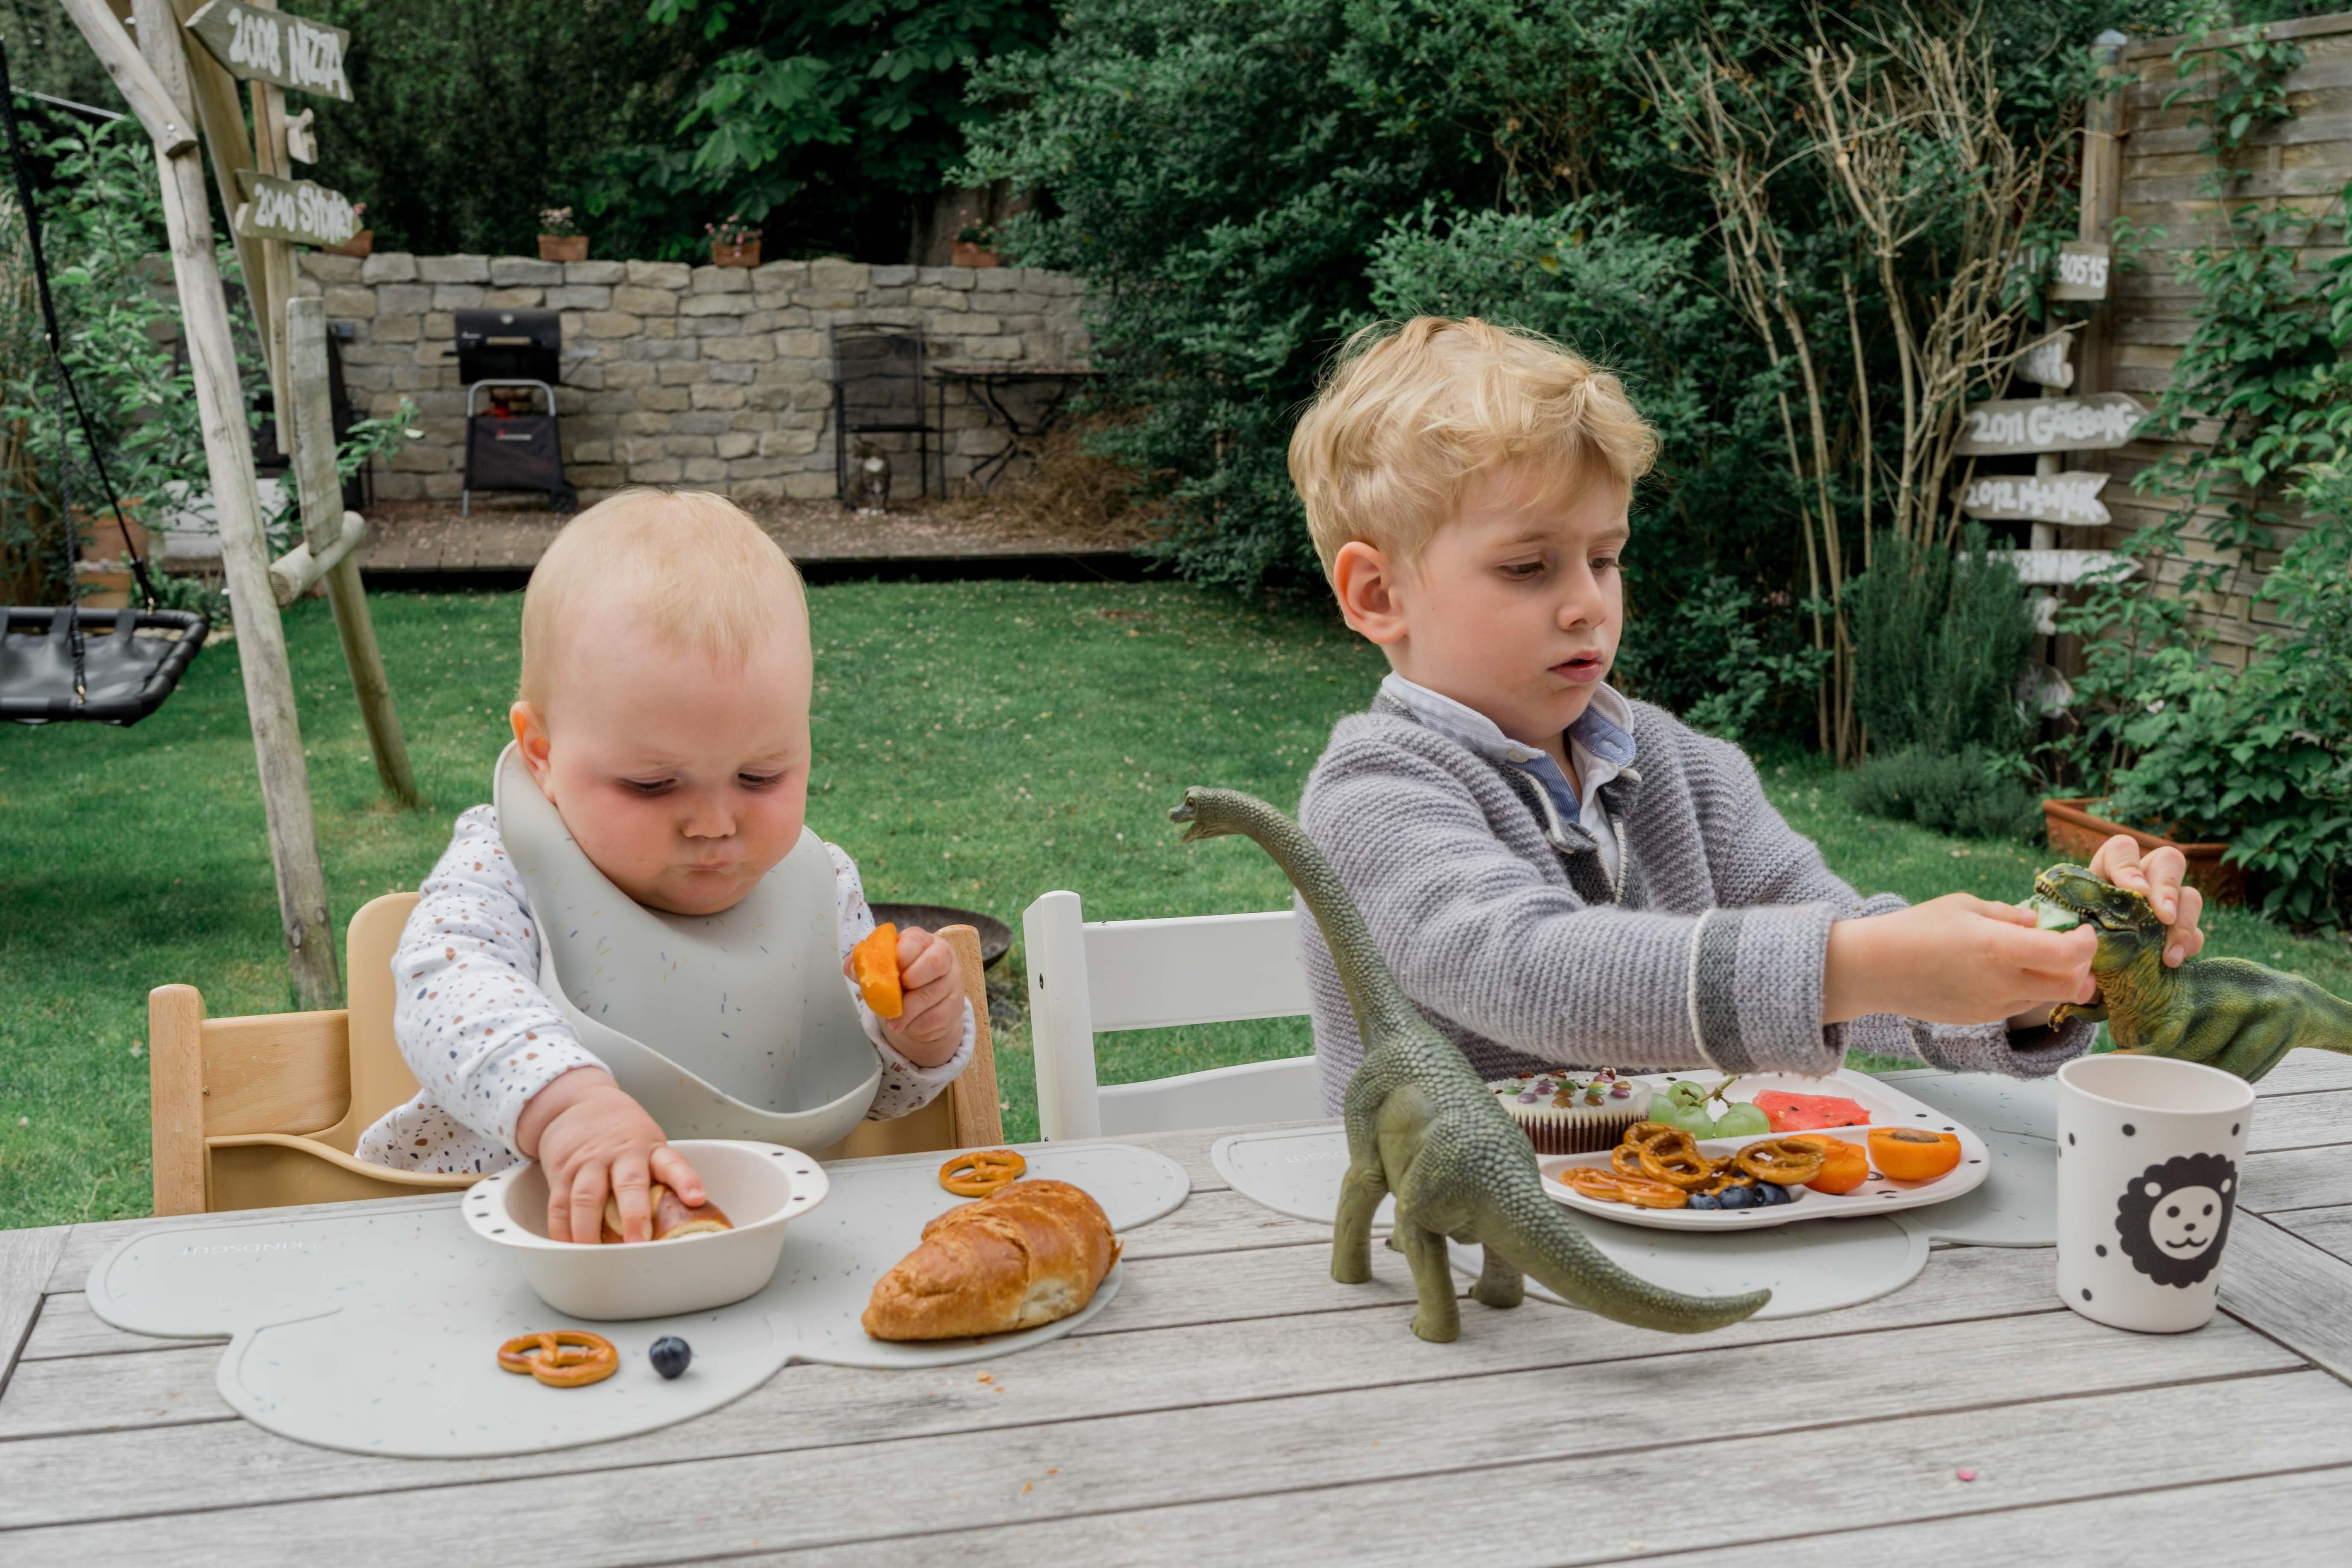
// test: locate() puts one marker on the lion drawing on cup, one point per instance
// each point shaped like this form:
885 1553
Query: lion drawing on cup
2174 1217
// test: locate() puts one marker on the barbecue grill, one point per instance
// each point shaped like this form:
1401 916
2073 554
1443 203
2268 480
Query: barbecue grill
502 354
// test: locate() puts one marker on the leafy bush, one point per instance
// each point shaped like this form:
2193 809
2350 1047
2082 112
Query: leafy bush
1940 639
1975 791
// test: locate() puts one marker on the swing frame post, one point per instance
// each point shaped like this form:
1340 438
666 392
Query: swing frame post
228 455
326 527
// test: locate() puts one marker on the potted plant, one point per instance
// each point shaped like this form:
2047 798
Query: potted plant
560 238
976 242
361 244
733 243
2075 831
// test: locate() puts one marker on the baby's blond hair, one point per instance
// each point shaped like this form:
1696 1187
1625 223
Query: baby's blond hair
1408 415
692 565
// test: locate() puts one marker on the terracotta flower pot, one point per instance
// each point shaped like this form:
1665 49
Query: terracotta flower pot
2074 831
360 244
744 254
101 536
563 247
966 253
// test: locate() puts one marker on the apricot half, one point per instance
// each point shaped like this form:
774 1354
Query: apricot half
1913 1154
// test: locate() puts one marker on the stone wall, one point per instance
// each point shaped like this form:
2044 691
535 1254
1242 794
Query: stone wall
717 377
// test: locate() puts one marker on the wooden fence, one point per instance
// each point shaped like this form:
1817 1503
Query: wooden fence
2159 177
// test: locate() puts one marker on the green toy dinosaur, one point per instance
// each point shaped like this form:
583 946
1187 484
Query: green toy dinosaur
2225 1011
1420 1125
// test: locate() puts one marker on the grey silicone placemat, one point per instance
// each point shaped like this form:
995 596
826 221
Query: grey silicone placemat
376 1331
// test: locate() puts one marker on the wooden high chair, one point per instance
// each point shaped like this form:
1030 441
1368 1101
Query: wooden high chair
263 1111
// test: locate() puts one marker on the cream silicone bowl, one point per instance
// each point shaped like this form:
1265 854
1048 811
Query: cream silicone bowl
763 1187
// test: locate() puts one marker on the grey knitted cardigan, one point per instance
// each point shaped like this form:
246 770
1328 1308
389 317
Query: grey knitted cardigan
1502 924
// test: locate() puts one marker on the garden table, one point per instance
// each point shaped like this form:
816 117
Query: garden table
1234 1406
985 381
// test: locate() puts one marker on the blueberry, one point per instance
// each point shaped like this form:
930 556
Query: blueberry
1770 1192
1704 1201
670 1355
1735 1199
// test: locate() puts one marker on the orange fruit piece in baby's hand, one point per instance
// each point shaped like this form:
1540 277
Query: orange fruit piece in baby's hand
874 964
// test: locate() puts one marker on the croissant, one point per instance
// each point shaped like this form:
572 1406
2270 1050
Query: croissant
671 1218
1028 1254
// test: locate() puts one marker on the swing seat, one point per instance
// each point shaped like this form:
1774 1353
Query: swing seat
125 675
264 1111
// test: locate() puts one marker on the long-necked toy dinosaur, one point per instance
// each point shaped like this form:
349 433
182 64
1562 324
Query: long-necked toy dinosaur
2227 1013
1421 1126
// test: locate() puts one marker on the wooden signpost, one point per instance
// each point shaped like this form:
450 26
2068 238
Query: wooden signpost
269 46
293 212
2023 426
2082 271
171 91
2070 499
2044 363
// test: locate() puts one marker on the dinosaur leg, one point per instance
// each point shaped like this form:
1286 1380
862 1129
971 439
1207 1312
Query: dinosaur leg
1439 1320
1500 1283
1360 1192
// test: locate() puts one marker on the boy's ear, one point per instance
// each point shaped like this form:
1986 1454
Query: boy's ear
531 735
1365 581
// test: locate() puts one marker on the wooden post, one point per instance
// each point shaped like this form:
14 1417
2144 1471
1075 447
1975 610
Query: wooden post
228 456
222 116
276 255
2103 182
322 490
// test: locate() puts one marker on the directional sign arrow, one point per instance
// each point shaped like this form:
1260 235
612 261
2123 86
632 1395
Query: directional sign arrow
2071 498
2019 426
296 210
255 44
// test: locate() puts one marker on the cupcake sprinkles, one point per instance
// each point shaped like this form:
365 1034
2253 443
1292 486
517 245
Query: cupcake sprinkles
1564 1114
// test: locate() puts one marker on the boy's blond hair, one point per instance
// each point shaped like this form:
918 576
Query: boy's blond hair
1409 414
691 565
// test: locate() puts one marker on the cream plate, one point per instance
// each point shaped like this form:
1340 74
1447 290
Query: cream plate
1888 1106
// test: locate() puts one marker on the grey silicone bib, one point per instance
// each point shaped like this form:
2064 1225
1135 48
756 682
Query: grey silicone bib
737 1024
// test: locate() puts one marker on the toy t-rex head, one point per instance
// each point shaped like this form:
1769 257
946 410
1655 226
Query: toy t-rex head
2067 895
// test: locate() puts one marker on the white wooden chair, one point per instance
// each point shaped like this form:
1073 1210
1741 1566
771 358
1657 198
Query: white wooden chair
1092 979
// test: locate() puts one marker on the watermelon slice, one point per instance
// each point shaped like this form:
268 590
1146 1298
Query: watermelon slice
1809 1112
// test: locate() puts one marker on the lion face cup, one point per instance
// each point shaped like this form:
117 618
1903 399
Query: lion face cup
2173 1217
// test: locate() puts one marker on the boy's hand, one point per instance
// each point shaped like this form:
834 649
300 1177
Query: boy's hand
1954 960
590 1138
2159 875
930 1028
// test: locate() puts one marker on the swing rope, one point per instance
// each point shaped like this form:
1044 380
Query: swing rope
64 393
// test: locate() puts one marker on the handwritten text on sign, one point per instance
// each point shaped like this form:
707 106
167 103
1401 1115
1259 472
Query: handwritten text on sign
2082 272
2044 362
273 46
2038 497
2021 425
294 210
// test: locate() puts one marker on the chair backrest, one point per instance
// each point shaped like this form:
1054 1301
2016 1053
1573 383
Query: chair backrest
1090 979
262 1112
877 374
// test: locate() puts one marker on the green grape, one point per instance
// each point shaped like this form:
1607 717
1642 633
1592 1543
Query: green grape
1742 1121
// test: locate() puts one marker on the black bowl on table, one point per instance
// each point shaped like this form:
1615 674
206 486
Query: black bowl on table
995 936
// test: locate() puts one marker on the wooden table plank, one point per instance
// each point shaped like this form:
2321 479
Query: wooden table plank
2304 1070
1252 1447
46 1473
2330 1230
2297 1179
2300 1120
1379 1476
26 1260
2299 1294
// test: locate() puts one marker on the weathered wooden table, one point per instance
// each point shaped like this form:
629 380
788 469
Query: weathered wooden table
1234 1406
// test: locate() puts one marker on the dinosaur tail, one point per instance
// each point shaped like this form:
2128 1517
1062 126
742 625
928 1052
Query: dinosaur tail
1380 1008
1531 1231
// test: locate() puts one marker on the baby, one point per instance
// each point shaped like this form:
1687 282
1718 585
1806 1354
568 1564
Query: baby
664 714
1558 876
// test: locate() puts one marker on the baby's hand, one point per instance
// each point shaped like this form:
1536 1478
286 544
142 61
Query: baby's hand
1953 960
2159 876
590 1138
930 1028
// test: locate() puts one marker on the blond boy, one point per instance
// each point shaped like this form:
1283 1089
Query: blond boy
664 711
1560 875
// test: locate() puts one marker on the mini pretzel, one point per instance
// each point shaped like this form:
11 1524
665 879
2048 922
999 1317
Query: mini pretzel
1673 1158
1645 1194
1721 1179
979 1174
1781 1160
1642 1133
1626 1160
561 1358
1593 1182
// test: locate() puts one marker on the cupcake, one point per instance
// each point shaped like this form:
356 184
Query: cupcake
1563 1113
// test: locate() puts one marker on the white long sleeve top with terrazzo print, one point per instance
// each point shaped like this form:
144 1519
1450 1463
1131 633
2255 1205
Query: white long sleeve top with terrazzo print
467 970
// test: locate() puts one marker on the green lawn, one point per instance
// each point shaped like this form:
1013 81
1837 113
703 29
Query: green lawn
977 743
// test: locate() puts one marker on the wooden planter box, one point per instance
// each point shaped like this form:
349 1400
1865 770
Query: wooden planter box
563 247
744 254
963 253
2074 832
